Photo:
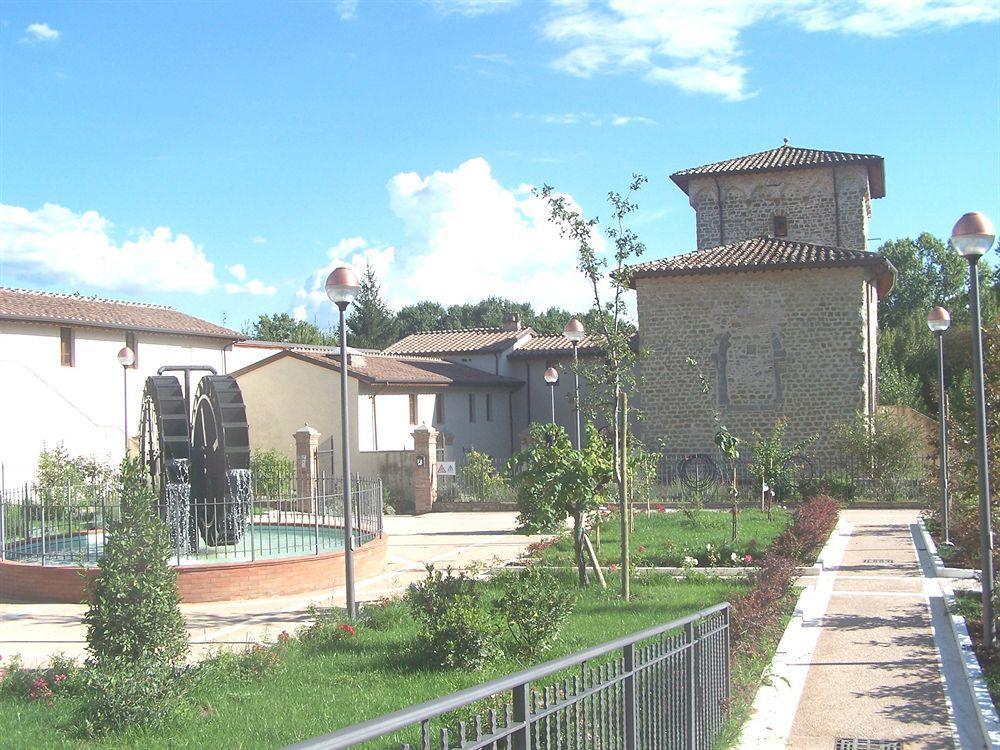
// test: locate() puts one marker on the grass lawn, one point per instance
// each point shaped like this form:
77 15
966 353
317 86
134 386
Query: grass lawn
311 691
666 538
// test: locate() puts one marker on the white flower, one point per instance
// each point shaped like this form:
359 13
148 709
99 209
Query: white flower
689 562
734 557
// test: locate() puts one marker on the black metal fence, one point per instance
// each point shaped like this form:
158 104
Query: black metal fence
469 485
664 688
706 477
69 525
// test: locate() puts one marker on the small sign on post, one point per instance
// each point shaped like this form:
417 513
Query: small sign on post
445 468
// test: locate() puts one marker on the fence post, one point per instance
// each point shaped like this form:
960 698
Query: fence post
522 714
631 719
42 516
3 522
726 656
690 715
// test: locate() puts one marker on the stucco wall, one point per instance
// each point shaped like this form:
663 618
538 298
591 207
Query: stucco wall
533 401
825 205
81 406
775 343
460 434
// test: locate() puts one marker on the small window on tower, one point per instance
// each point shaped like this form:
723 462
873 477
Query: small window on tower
780 226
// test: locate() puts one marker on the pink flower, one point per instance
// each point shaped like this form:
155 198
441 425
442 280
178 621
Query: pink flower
747 559
613 568
284 637
642 548
61 678
3 673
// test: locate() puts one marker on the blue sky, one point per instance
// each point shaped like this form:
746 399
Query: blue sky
222 157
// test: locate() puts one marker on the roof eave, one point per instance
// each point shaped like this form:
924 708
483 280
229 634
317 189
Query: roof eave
231 336
876 260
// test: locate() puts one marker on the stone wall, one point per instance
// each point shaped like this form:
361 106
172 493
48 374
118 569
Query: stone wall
825 206
773 343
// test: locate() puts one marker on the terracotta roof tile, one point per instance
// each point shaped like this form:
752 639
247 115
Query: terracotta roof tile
553 344
381 369
47 307
761 254
457 341
788 157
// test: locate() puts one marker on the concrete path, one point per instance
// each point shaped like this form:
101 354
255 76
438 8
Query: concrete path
873 656
461 540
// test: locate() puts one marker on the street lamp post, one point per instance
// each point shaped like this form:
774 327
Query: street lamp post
126 358
574 331
342 287
972 237
552 377
939 320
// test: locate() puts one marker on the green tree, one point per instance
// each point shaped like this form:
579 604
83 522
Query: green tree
609 278
929 272
422 316
283 327
554 481
372 325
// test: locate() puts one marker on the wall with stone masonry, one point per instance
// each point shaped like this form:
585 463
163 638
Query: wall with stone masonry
824 205
770 343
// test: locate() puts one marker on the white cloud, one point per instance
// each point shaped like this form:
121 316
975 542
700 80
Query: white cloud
467 237
258 240
576 118
694 45
498 57
471 7
239 271
40 32
254 286
619 120
347 9
57 245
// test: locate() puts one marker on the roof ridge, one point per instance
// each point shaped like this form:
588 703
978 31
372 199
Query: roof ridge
858 156
475 329
94 298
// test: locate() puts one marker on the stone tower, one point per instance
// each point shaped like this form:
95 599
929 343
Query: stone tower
798 194
778 306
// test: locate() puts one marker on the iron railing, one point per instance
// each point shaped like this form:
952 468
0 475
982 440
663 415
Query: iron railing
707 476
664 688
69 525
473 487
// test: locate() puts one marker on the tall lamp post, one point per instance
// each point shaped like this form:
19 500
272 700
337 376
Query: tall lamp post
972 237
939 320
552 377
342 287
574 332
126 358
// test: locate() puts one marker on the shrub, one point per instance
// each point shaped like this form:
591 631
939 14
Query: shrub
121 694
809 530
327 629
479 476
885 451
760 609
272 472
534 606
455 628
61 478
772 460
135 631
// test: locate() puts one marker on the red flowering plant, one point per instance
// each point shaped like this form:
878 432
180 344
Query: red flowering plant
327 630
40 691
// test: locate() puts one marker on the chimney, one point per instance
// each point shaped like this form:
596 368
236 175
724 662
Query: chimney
511 322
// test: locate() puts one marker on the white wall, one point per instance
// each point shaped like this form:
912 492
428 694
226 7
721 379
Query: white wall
44 403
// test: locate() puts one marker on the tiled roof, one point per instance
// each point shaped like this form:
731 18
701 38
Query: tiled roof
457 341
761 254
71 309
380 369
553 344
788 157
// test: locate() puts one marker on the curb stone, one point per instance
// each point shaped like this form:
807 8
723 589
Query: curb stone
940 569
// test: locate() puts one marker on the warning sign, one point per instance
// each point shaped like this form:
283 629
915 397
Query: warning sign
445 468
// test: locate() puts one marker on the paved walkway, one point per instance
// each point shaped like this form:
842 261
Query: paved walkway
873 656
461 540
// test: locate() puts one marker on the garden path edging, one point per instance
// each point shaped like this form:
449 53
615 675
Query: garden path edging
940 569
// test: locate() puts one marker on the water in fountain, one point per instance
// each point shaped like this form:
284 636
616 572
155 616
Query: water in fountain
241 504
178 499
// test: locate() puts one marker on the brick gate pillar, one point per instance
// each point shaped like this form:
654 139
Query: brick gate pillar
306 442
424 476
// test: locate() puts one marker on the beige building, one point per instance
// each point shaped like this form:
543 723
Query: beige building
778 306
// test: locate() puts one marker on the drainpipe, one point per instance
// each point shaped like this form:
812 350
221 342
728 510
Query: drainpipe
718 200
836 207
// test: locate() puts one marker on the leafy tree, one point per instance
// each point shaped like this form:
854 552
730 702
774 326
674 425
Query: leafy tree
283 327
422 316
371 323
929 272
771 460
554 481
609 279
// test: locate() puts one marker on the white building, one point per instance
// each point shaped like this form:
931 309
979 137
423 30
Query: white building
60 381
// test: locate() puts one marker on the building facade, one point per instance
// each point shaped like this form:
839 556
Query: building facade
776 312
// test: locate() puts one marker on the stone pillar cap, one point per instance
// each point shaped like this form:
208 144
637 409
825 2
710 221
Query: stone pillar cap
306 430
424 428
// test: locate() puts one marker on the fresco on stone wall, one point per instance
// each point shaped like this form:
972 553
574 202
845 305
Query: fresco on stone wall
748 354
